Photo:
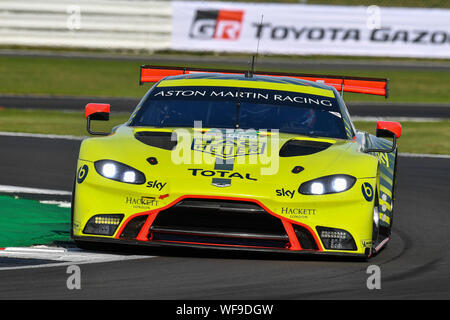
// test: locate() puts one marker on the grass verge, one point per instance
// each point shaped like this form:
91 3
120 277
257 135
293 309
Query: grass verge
417 137
120 78
54 122
26 222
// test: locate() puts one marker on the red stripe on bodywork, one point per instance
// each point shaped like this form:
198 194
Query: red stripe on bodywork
287 223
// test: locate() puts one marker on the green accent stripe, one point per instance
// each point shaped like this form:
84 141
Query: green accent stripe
387 171
386 183
386 178
384 171
385 190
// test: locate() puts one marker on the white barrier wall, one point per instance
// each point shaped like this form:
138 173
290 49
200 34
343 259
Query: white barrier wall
227 26
311 29
103 24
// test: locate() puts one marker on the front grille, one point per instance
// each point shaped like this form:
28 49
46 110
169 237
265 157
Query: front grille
225 222
133 227
305 238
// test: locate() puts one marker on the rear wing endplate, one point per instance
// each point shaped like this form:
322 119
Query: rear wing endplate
366 85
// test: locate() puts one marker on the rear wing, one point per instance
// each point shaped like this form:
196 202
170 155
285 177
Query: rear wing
375 86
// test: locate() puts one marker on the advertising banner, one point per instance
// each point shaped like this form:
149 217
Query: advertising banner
311 29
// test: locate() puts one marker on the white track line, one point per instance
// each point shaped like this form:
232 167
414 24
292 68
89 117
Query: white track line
406 119
42 136
424 155
14 189
61 204
61 256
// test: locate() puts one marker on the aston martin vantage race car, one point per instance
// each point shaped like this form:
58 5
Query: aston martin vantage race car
239 160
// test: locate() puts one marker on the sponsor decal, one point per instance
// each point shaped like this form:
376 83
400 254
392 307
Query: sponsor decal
422 32
142 202
409 36
285 193
82 173
227 148
383 158
76 226
217 24
367 243
255 94
367 191
156 184
221 183
221 174
389 35
296 213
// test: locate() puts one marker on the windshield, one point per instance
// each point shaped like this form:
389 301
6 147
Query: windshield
242 108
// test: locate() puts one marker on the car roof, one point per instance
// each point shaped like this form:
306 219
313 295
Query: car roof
255 78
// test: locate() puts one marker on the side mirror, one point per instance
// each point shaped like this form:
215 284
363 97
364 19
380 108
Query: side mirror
388 129
97 111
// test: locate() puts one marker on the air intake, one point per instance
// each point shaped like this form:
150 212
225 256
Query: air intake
294 148
226 222
162 140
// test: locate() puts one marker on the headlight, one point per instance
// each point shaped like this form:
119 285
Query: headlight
119 172
329 184
103 224
336 239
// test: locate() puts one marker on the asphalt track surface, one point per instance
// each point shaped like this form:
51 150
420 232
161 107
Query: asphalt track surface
127 104
414 265
263 62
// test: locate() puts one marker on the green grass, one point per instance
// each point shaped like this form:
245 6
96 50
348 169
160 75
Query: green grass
120 78
429 137
419 137
77 77
54 122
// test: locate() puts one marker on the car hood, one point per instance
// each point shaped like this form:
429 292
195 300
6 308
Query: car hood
228 156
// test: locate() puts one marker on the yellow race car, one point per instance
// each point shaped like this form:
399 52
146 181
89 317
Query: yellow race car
238 160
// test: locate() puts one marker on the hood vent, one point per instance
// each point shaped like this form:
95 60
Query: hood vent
157 139
294 147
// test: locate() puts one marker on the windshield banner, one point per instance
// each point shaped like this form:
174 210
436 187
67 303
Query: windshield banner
311 29
256 96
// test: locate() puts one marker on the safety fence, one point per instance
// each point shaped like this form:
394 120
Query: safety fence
98 24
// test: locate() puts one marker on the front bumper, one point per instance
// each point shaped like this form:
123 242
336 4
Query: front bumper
263 221
216 222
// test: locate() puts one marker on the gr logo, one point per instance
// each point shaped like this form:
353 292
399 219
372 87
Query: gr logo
217 24
82 173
